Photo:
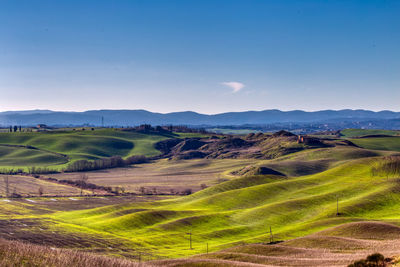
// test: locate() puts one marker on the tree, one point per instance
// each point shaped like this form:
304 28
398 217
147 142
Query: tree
187 191
142 190
6 185
117 190
83 178
40 191
15 128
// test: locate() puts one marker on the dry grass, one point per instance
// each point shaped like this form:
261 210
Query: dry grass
164 175
15 253
29 186
325 248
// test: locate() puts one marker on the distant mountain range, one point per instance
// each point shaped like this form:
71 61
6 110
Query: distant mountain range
189 118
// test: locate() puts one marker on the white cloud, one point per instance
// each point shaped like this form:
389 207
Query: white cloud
236 86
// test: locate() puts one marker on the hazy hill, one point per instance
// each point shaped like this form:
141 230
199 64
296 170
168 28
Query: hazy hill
136 117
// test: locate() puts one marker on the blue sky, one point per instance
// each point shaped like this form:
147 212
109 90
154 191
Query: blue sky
205 56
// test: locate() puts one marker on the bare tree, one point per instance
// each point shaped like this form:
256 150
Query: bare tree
83 178
6 185
142 190
40 191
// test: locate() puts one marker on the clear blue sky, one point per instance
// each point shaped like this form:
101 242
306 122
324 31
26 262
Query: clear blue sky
205 56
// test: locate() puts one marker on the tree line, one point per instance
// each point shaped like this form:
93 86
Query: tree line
104 163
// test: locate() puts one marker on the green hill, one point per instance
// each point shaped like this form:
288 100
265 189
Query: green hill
59 147
350 133
243 209
379 143
23 156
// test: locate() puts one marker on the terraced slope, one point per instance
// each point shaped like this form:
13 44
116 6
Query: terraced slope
243 209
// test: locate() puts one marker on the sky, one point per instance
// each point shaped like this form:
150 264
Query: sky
204 56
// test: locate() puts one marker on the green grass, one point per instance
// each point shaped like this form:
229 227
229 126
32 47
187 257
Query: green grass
56 148
237 211
349 133
379 143
17 156
241 210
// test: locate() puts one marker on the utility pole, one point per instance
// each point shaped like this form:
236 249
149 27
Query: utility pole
271 237
337 205
102 121
190 238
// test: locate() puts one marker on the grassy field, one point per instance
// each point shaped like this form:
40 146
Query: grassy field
29 186
55 149
231 217
164 175
23 156
14 253
242 210
379 143
349 133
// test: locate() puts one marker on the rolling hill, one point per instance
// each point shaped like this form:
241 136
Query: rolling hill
243 209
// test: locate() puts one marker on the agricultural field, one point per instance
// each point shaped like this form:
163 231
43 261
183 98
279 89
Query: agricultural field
55 149
164 176
379 143
350 133
30 186
329 202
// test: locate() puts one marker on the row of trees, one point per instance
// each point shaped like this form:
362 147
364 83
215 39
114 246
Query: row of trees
105 163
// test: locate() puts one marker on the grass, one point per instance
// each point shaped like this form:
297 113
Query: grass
29 186
56 149
163 175
22 156
242 210
14 253
236 212
379 143
350 133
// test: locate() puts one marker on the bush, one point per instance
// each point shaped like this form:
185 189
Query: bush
373 260
187 191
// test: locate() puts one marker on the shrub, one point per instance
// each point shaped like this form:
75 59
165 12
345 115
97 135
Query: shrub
373 260
187 191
